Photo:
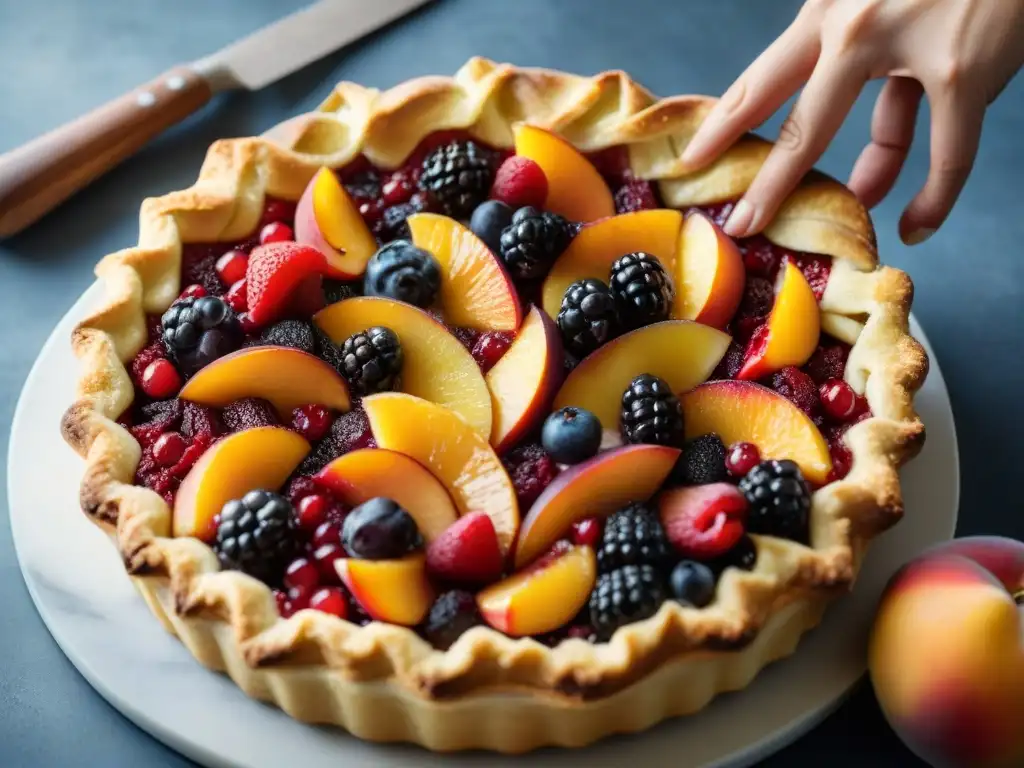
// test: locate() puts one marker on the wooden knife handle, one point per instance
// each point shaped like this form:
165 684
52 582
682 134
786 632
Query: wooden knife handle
37 176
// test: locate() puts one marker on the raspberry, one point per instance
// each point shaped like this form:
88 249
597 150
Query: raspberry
520 182
704 521
467 552
816 269
760 257
718 212
636 195
274 272
613 165
198 420
489 348
349 432
827 362
531 470
731 363
797 387
248 413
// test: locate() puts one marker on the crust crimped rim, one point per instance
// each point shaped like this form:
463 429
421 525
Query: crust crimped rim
383 682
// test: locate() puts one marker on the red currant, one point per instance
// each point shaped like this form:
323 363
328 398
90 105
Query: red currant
168 449
194 291
586 532
276 232
278 210
301 574
330 600
370 211
232 266
838 399
327 533
298 597
842 460
397 190
160 379
325 557
311 421
283 606
248 326
741 458
312 511
236 298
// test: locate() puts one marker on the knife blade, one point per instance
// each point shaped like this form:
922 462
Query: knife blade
41 174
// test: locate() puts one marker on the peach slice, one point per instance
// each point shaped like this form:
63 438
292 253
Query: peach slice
575 188
742 411
791 334
681 352
525 379
595 488
476 291
327 219
543 597
262 457
395 591
709 273
436 366
286 377
457 454
368 473
598 245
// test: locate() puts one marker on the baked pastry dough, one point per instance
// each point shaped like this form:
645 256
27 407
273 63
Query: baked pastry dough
383 682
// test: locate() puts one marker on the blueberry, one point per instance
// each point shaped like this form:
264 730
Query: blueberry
401 271
692 583
571 435
488 220
379 529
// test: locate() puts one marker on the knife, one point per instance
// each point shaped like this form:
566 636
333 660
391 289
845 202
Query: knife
37 176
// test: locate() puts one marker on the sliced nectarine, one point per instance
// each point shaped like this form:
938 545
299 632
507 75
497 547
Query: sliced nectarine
595 488
525 379
543 597
457 454
395 591
258 458
742 411
681 352
597 246
575 188
791 333
327 219
436 366
368 473
709 273
286 377
476 291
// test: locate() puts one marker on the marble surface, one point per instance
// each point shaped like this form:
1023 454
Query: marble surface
66 56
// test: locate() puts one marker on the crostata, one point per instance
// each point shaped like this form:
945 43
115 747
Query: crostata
449 414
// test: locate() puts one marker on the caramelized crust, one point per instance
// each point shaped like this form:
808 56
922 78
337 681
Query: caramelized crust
383 682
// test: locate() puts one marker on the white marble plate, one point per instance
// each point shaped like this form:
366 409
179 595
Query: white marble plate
79 587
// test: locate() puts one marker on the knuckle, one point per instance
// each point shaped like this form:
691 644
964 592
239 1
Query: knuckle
791 134
848 25
951 72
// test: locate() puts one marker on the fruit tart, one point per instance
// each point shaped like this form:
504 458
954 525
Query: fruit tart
452 406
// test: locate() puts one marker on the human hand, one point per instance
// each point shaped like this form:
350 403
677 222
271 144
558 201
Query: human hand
960 53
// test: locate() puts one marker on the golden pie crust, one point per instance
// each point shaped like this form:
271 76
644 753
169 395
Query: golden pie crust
489 691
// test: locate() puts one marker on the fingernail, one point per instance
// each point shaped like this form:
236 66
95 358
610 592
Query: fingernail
919 235
740 219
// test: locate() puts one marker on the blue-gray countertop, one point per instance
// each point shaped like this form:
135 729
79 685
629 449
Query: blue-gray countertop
63 57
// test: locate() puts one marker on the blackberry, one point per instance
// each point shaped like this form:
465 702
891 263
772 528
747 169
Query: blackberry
198 331
702 462
296 334
780 500
379 529
392 224
642 289
459 175
452 614
624 596
651 413
531 243
633 536
364 186
743 555
588 317
257 535
372 360
403 272
339 290
327 350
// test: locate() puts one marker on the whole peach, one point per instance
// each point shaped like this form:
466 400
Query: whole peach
946 655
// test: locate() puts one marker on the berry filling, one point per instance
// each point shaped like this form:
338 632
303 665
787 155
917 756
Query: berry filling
473 237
